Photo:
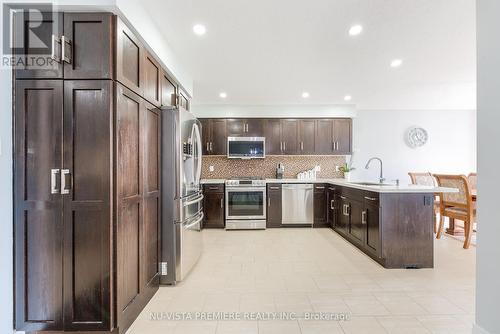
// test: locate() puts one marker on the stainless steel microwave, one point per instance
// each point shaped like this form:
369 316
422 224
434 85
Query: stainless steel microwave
246 147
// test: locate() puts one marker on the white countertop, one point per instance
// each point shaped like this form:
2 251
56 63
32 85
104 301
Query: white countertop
403 188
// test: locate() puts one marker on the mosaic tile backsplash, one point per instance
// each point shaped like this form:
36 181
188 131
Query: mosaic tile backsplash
225 168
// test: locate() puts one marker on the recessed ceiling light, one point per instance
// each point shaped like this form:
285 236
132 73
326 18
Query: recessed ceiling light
199 29
396 63
347 98
305 95
355 30
223 95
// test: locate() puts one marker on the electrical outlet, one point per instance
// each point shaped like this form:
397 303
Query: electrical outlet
211 168
337 168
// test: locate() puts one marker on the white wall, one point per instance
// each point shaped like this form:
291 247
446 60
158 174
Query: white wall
488 249
451 147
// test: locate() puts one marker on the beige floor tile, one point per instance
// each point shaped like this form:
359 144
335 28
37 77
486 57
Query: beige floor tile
402 325
320 327
237 327
362 325
279 327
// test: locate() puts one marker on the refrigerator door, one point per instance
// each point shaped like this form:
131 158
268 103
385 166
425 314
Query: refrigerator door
189 245
190 154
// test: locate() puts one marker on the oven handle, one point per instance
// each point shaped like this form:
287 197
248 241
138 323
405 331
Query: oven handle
252 189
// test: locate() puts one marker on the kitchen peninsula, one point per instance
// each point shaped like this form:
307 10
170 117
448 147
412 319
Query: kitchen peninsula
393 224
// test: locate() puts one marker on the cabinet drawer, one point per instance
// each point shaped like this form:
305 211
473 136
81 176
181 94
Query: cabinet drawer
213 188
320 187
274 187
371 198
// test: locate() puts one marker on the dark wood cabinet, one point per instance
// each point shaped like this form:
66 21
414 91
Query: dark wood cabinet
272 132
289 136
235 127
168 91
88 46
357 228
320 205
324 142
183 100
274 205
307 132
371 217
152 80
214 136
251 127
342 131
331 206
343 215
213 206
129 59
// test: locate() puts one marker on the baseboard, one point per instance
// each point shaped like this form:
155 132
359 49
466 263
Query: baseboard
478 330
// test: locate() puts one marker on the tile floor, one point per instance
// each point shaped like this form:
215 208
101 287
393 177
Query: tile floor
309 271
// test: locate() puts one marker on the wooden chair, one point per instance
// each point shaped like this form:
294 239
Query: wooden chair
457 205
426 179
472 178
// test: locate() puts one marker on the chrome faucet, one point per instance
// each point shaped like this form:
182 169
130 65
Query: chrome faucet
381 178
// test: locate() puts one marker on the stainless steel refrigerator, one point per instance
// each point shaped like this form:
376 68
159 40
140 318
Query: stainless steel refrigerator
182 198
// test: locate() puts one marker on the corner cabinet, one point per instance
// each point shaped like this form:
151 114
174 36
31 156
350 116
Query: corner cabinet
86 179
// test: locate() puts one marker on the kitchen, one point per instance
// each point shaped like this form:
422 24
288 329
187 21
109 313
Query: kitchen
191 165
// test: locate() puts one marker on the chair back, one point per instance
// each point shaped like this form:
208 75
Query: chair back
462 198
423 179
472 178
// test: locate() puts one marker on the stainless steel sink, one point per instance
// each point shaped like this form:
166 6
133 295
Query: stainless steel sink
373 184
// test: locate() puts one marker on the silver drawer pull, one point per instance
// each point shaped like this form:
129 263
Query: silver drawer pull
332 204
274 188
53 181
320 187
371 198
363 217
343 197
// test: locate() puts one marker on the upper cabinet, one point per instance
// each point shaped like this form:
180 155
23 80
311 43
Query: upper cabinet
183 100
129 59
253 127
79 45
168 91
283 136
152 80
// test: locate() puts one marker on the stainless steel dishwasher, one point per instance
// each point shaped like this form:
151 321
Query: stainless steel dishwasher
297 204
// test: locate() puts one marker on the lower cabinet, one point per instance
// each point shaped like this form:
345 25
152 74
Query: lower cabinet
331 206
273 205
371 217
320 206
213 206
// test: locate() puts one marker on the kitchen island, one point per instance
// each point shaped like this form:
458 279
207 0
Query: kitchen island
394 225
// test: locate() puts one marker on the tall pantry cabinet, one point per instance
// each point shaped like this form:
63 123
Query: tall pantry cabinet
86 177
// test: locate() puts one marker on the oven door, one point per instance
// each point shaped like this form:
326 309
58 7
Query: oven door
245 203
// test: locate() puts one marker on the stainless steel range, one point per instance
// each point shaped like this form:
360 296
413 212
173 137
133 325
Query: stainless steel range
245 204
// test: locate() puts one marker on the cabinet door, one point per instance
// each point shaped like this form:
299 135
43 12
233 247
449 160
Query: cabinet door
206 134
87 204
357 228
324 142
129 59
129 204
213 206
218 142
236 127
152 77
150 136
183 100
168 91
273 205
343 216
371 219
320 205
289 135
38 267
331 206
90 46
342 134
254 127
34 36
307 136
272 132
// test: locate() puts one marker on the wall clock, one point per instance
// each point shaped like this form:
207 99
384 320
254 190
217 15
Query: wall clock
416 137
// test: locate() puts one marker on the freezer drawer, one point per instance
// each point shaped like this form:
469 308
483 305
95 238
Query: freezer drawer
297 204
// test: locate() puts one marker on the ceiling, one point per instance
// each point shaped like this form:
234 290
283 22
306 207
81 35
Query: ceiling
267 52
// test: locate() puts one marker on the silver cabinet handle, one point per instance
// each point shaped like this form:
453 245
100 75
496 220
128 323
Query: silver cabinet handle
343 197
320 187
208 146
269 201
246 127
363 217
281 146
53 181
222 203
274 188
211 147
371 198
64 57
64 173
53 54
332 204
284 146
301 145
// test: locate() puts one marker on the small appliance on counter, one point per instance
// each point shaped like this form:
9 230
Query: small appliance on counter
280 170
